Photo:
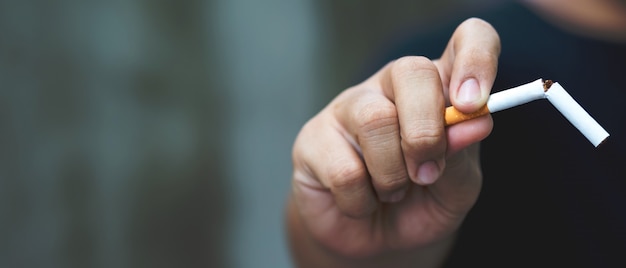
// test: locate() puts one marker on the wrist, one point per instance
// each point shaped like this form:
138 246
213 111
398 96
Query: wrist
308 252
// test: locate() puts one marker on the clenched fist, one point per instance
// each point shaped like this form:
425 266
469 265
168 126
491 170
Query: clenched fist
378 180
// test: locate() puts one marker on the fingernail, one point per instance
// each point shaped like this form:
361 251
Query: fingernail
428 172
469 92
397 196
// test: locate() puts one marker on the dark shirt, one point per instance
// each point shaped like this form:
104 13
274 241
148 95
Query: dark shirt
549 197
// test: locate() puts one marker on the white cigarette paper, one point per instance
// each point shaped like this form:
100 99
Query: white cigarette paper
563 102
516 96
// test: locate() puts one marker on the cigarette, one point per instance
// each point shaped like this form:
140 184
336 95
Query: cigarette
538 89
499 101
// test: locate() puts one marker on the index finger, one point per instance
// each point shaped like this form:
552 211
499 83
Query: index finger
469 64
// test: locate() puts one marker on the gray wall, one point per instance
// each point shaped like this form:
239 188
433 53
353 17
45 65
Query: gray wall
154 133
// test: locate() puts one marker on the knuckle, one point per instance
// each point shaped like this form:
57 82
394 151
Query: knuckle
412 62
374 116
391 182
426 134
346 174
415 65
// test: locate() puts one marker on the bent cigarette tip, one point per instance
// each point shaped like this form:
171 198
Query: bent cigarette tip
547 84
576 115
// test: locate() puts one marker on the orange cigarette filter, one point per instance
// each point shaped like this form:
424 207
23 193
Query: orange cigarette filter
453 116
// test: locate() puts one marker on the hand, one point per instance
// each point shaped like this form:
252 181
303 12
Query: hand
376 172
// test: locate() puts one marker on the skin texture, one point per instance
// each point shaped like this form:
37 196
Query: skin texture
378 180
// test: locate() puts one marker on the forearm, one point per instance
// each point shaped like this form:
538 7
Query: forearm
306 252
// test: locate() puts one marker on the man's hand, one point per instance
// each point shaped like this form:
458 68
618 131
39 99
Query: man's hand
377 177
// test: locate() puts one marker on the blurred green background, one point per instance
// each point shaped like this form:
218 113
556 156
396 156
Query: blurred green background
155 133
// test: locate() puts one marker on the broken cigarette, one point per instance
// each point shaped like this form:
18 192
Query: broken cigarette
538 89
576 115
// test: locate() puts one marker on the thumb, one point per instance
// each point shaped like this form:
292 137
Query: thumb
471 60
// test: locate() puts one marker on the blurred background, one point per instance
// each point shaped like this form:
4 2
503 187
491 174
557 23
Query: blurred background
156 133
